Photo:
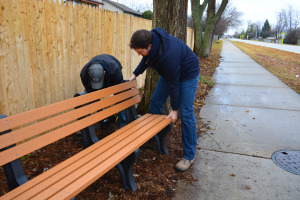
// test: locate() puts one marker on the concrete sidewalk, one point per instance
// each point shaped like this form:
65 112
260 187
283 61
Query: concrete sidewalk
250 115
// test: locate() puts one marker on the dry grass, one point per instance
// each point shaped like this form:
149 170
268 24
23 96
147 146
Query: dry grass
283 64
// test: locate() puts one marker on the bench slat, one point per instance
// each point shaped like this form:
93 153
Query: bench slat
94 159
89 177
20 119
25 188
37 143
56 121
102 161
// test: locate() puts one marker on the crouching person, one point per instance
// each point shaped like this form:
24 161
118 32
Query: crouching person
101 72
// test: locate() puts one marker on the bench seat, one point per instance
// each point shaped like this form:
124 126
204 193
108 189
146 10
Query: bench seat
73 175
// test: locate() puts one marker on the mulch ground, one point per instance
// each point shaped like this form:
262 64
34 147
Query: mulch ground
154 174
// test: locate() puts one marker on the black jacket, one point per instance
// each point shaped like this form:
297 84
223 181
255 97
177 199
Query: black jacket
111 65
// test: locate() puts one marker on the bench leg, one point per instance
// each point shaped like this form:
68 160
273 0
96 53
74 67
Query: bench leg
126 171
15 174
130 114
161 141
89 136
14 170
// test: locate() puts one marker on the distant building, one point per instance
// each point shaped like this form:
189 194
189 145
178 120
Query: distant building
121 8
109 5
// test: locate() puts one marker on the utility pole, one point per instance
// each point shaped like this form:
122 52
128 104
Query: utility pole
279 27
256 32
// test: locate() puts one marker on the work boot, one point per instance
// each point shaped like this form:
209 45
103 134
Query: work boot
184 164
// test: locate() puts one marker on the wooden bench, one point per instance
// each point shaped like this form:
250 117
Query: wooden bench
26 132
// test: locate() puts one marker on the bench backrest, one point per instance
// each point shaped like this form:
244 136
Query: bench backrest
37 128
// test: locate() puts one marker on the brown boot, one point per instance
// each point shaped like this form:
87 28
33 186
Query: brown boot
184 164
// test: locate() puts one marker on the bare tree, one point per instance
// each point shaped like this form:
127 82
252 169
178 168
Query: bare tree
231 18
289 19
203 44
197 15
280 25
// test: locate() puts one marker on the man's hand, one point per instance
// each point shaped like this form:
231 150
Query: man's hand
173 115
133 77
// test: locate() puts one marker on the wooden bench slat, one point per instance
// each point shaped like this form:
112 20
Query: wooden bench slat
37 143
11 122
56 121
101 163
37 181
77 186
95 158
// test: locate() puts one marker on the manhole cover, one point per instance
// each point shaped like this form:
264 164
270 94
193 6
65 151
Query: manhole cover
288 160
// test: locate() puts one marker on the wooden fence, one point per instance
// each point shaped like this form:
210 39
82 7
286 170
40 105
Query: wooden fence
44 45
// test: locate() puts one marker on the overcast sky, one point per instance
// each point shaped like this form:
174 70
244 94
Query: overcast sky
253 10
260 10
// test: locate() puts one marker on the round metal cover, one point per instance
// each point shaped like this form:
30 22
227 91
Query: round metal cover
288 160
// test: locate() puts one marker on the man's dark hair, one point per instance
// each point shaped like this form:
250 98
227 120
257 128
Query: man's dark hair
141 39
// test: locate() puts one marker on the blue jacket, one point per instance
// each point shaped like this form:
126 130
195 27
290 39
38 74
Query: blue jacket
173 60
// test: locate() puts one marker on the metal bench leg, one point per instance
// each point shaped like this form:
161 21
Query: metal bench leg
89 136
161 141
14 170
130 114
126 171
15 174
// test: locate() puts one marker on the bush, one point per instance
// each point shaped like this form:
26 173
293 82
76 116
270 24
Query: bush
292 37
147 14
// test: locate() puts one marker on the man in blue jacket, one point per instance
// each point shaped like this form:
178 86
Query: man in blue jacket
179 69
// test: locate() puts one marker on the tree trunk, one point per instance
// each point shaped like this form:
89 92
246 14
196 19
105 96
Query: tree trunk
197 13
149 87
172 17
212 20
202 45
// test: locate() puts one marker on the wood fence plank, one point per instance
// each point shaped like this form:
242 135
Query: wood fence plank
43 24
37 16
32 70
5 52
17 76
55 47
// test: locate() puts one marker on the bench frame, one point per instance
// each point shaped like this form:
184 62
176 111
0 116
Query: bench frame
15 173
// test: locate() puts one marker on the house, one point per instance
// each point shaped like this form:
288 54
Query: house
109 5
121 8
87 2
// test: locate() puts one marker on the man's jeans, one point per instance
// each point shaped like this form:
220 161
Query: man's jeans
188 90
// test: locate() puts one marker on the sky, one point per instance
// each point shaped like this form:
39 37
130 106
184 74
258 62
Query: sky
253 10
260 10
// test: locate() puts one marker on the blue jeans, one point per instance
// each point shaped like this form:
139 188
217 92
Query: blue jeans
188 90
